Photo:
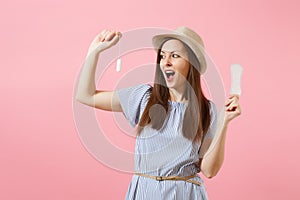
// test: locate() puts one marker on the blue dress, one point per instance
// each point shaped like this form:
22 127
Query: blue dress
163 152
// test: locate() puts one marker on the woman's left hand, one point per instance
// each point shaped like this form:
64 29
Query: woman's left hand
232 108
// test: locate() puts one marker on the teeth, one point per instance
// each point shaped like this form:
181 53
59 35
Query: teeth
169 73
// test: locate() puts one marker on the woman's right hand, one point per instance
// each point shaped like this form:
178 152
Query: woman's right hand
104 40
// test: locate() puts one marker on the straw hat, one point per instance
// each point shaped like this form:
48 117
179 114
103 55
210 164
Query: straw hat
190 38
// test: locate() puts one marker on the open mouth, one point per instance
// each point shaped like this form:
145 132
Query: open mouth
169 73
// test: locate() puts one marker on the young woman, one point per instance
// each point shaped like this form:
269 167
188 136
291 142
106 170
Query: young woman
177 131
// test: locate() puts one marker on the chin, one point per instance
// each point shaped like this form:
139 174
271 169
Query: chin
172 85
175 83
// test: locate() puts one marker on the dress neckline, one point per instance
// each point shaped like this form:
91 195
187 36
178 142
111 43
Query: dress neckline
177 103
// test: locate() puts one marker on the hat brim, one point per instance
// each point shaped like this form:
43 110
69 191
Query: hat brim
198 49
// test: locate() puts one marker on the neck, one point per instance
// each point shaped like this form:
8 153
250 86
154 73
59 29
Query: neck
177 94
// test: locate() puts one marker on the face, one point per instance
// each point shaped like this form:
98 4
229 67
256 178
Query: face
174 63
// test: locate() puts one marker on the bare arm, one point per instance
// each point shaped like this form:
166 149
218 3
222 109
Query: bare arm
86 90
214 156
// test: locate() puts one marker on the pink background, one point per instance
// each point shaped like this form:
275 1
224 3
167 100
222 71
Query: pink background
44 43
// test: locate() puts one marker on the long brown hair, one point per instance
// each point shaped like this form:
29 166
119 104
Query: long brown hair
196 119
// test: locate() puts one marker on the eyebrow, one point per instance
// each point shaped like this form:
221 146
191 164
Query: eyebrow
171 51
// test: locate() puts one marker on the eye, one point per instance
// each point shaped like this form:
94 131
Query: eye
175 55
162 56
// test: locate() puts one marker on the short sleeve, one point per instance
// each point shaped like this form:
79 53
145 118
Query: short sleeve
133 101
213 121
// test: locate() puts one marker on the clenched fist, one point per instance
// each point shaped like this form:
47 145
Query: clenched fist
104 40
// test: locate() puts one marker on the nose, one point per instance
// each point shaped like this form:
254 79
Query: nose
167 60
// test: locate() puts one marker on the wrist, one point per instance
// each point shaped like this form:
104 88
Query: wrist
92 54
225 123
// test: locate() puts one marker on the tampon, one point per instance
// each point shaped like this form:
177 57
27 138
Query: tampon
119 62
119 65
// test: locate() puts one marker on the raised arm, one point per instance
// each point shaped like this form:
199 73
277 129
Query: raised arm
214 156
86 90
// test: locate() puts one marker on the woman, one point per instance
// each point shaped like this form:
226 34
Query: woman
177 135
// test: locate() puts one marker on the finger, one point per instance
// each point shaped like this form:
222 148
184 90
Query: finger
229 101
103 35
233 114
237 111
119 34
233 109
234 96
115 39
97 38
110 35
230 109
100 37
232 106
232 100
